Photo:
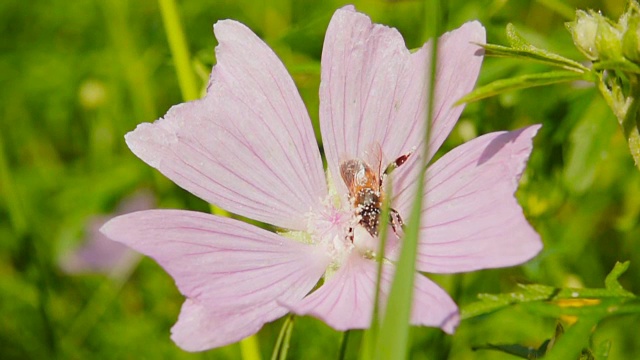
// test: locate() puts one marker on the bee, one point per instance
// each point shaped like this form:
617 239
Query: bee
364 183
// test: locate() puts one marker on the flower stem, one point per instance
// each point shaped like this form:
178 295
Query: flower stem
282 344
343 345
179 50
250 349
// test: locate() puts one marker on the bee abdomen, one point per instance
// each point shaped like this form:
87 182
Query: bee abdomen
369 206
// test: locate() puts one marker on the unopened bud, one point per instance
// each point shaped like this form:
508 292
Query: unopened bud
608 39
630 40
583 30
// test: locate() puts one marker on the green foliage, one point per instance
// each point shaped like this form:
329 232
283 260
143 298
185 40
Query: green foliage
77 78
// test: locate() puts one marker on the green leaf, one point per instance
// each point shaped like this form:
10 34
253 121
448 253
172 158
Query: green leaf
611 281
613 291
601 350
521 49
526 352
490 303
575 339
522 82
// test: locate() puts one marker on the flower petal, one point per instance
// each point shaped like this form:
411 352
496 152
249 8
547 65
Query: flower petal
232 272
459 59
346 300
373 90
199 328
471 219
248 145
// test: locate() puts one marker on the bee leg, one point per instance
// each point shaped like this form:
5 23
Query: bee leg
395 220
350 234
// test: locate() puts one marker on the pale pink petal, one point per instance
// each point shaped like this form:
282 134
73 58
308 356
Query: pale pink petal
199 328
471 219
248 146
459 59
346 300
373 90
234 271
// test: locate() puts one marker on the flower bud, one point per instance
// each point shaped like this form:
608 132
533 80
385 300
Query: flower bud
583 30
608 39
630 40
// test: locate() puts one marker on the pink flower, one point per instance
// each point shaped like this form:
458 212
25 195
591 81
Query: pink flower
249 147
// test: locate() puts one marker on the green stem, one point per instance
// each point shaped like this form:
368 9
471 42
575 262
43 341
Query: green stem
343 345
395 326
179 50
282 343
250 349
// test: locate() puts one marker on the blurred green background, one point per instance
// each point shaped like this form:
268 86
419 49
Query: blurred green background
76 76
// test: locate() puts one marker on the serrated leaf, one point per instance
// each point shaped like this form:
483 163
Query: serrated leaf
521 82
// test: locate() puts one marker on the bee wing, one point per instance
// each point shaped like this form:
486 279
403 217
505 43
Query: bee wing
349 171
374 158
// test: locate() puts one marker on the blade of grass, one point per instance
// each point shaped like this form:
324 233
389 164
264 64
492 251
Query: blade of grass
370 337
250 349
395 324
343 345
179 50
